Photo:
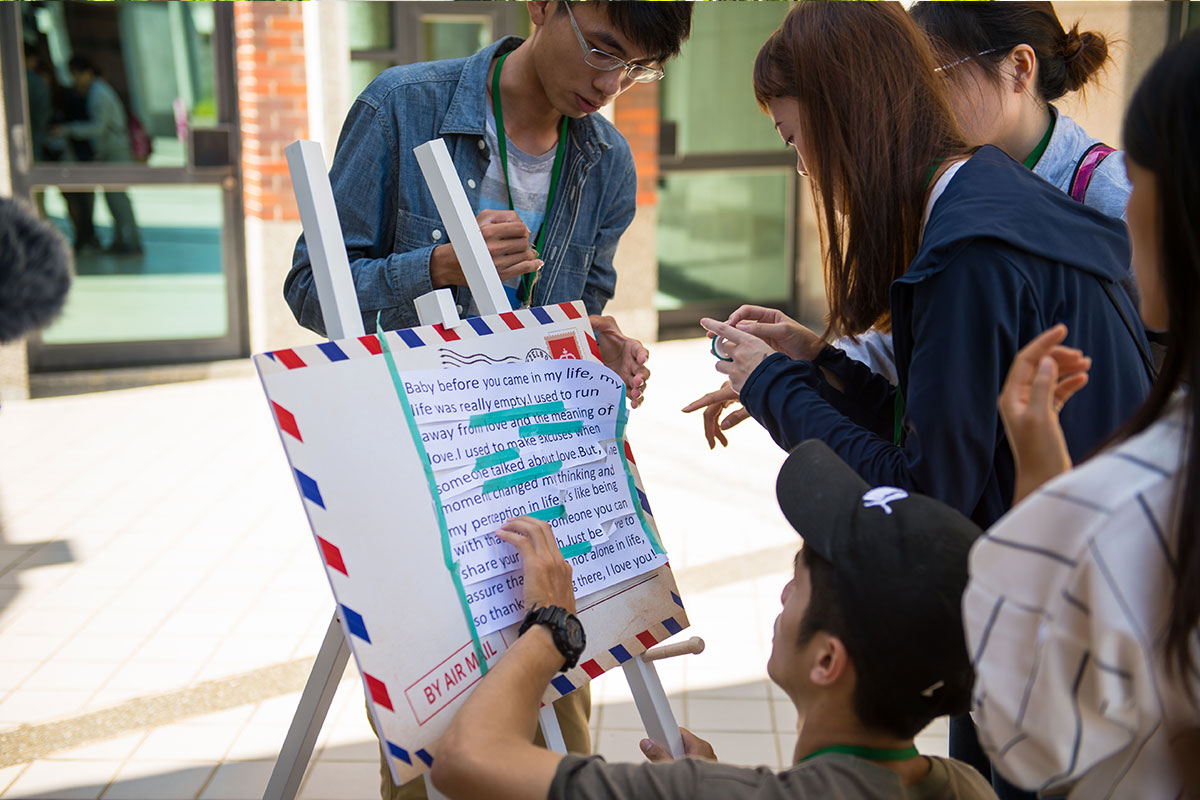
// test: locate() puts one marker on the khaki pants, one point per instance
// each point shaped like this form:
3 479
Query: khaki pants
573 712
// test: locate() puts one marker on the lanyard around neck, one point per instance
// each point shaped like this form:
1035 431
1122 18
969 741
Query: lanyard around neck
869 753
528 279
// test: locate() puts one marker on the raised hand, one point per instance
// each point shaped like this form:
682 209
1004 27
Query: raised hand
1043 377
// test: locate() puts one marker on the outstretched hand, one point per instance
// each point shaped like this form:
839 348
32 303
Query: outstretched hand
547 573
1043 377
693 747
623 355
713 404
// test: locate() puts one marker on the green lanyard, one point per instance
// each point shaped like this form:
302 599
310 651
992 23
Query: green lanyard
870 753
1031 160
528 279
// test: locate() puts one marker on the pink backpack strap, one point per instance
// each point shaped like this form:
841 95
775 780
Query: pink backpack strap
1087 165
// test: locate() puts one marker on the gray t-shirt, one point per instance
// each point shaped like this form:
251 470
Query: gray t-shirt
833 776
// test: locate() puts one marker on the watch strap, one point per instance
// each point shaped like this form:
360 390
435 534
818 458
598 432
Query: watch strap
555 618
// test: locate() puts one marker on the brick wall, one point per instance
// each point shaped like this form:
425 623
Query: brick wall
636 117
272 101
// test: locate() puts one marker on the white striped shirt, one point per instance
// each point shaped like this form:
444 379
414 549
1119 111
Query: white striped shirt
1066 615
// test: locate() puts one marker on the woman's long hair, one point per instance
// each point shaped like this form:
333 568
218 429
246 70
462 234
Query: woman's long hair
875 119
1162 126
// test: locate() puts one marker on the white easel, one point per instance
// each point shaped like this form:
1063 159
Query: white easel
340 310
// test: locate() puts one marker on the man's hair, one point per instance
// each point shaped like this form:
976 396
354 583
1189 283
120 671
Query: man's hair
658 28
877 704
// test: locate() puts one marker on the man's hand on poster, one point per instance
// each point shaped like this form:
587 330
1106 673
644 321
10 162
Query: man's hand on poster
624 356
507 240
1030 402
547 573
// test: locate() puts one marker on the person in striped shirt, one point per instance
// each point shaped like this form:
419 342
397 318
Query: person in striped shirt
1082 613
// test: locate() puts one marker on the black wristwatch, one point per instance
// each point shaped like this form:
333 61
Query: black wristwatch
564 627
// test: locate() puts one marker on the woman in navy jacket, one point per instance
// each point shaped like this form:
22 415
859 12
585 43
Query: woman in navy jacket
964 254
967 254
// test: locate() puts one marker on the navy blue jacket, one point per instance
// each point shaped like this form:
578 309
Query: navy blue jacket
1005 255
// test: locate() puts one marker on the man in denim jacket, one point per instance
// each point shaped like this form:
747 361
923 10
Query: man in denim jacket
577 59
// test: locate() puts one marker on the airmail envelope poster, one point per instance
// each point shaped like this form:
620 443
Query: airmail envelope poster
409 448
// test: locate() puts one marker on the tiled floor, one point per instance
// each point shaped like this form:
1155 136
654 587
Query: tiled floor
161 600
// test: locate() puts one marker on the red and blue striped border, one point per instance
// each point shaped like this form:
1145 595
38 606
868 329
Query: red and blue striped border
412 338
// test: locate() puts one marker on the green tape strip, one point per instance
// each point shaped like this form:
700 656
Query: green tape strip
451 564
498 457
547 514
622 419
549 428
577 549
524 476
520 412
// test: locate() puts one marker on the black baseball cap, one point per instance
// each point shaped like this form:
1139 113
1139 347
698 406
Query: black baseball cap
900 561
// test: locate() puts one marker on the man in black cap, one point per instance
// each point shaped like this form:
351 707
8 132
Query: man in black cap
869 647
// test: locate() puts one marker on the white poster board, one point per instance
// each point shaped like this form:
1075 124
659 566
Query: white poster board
364 467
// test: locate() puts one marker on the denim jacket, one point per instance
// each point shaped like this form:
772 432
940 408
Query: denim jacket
388 217
1109 188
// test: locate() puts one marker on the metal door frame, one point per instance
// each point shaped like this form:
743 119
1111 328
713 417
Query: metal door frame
28 177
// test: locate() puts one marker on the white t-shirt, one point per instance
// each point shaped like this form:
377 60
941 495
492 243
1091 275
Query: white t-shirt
528 178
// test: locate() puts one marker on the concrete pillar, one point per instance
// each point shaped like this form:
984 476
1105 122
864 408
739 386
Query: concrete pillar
272 75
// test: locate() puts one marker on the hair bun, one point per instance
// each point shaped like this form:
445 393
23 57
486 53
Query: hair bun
1084 54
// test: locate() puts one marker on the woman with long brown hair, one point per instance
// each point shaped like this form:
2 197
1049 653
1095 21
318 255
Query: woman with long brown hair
965 253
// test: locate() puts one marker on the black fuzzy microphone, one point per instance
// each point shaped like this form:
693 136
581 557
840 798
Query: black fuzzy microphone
35 271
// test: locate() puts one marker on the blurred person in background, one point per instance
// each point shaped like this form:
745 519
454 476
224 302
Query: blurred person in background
106 130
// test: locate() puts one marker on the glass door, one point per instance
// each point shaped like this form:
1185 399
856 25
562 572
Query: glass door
122 134
727 231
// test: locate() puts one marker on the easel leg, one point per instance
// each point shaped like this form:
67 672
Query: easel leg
551 730
310 714
652 705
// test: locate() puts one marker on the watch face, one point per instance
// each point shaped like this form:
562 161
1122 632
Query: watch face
574 631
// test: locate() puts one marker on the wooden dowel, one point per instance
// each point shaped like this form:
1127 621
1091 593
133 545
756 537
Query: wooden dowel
693 645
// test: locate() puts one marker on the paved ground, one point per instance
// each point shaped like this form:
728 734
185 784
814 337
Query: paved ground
161 599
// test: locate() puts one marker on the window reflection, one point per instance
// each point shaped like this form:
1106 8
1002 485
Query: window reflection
157 58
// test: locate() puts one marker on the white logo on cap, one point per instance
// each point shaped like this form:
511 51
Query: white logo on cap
880 496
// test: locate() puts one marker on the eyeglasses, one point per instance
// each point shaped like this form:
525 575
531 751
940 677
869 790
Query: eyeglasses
965 59
606 62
